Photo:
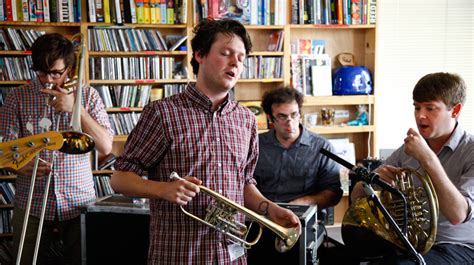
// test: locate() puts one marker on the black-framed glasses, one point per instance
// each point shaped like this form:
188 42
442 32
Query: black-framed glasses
284 117
53 73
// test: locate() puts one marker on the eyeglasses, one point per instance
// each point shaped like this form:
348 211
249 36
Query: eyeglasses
54 73
283 117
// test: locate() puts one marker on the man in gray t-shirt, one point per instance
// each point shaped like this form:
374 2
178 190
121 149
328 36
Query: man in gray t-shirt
445 151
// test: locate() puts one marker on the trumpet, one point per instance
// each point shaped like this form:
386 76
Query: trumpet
220 216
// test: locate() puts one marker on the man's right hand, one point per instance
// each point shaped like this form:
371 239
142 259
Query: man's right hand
182 191
44 169
387 173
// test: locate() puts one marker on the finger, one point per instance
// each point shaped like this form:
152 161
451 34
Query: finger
193 180
50 92
66 91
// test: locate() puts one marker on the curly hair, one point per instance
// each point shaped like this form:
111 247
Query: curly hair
281 95
206 32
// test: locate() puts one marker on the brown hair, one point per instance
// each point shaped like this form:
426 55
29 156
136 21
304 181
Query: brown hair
206 32
450 88
281 95
49 48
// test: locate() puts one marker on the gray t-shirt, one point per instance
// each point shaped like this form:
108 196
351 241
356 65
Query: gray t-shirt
457 158
286 174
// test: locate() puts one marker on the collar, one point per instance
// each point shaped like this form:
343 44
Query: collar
455 138
203 102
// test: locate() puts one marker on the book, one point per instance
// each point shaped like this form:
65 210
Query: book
321 76
178 43
107 162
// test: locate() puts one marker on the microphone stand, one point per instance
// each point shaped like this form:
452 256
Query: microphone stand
362 174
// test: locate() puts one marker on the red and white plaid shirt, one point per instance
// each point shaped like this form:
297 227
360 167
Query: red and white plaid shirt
182 134
72 185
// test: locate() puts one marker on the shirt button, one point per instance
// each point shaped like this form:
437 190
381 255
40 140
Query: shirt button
218 139
219 164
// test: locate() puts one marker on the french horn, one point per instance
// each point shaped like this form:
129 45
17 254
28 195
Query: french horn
221 216
366 231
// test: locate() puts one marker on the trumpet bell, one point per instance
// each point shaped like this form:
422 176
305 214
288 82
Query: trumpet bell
77 143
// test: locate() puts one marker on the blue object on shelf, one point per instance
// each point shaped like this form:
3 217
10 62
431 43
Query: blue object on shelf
352 80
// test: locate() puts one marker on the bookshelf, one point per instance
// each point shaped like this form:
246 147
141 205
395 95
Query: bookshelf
356 39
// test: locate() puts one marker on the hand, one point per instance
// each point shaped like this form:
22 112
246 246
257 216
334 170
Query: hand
416 146
387 173
43 170
182 191
63 100
283 216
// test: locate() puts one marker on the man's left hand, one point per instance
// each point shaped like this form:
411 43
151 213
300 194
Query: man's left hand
63 100
283 216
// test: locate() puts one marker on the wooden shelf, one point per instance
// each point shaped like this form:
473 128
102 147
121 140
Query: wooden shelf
120 138
6 235
269 80
332 27
135 25
7 177
338 100
102 172
137 82
264 27
123 109
15 53
40 24
133 54
15 82
342 129
266 53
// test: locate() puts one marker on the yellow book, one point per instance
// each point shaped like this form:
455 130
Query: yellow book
106 11
153 6
146 10
140 11
156 94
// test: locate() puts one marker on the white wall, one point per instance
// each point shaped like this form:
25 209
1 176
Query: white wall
415 38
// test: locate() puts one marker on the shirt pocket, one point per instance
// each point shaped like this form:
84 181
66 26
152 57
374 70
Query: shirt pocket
296 180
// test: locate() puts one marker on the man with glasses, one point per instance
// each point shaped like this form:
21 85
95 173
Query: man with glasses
32 109
290 167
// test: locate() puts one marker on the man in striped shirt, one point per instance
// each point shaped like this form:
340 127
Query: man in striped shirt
72 187
207 137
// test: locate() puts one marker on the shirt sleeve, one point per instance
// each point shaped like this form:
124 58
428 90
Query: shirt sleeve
145 145
252 156
466 187
97 110
9 117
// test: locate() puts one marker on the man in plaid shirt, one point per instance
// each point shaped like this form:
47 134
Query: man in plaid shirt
207 137
72 184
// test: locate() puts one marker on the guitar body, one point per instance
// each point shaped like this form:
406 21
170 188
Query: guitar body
17 153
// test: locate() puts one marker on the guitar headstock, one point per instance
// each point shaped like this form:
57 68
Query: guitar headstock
16 154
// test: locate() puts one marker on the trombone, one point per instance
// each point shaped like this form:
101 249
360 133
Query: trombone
74 142
220 216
